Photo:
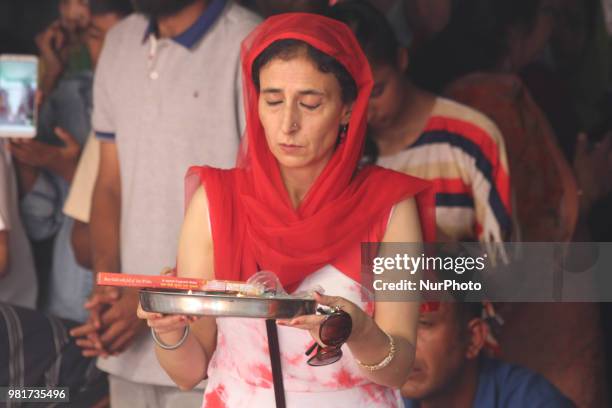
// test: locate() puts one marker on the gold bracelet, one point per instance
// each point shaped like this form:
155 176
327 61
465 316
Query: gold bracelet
385 362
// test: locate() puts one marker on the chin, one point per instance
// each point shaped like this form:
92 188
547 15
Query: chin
290 160
414 392
292 163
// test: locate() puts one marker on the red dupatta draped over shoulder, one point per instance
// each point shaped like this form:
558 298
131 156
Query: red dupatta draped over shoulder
254 225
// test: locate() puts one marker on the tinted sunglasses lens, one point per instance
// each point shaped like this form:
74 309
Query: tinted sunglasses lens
336 329
325 356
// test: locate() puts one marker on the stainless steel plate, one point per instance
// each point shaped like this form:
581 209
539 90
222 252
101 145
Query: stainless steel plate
226 305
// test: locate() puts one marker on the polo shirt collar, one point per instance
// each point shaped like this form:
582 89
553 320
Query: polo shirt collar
196 31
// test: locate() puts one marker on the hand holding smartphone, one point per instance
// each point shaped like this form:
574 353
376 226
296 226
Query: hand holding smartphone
18 86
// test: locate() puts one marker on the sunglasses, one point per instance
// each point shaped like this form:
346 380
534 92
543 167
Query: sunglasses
333 332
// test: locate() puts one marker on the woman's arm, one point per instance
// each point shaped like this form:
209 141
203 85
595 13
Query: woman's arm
188 364
398 319
368 341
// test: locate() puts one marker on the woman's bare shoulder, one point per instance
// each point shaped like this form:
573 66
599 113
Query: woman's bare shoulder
195 253
404 224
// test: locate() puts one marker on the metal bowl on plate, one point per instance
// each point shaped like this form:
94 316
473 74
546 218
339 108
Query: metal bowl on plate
224 305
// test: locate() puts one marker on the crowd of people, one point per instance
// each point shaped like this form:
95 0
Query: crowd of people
318 125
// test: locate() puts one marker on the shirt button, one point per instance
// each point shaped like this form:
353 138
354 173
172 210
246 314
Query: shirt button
154 75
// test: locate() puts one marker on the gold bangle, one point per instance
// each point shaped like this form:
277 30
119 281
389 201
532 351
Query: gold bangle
385 362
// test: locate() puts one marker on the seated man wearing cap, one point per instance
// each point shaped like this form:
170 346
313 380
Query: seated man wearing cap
451 371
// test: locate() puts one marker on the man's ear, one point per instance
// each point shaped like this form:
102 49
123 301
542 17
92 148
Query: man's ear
477 333
403 59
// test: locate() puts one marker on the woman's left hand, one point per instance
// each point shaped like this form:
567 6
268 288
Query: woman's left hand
312 323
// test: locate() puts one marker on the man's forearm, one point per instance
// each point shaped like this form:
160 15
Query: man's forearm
4 254
26 176
64 168
105 219
80 239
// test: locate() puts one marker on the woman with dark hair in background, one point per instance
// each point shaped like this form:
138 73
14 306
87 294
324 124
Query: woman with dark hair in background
471 61
475 61
501 36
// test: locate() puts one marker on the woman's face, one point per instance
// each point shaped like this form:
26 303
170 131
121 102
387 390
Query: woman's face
428 16
527 43
301 110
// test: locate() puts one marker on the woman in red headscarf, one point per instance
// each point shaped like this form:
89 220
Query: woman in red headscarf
299 205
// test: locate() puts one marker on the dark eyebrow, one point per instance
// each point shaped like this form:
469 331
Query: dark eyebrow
304 92
312 92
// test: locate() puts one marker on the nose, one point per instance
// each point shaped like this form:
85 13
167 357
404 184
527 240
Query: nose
291 119
75 13
72 12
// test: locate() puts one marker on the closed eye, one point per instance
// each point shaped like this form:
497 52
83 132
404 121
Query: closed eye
425 323
274 103
310 107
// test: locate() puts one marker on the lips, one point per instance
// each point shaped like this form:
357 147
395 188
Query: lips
416 372
290 148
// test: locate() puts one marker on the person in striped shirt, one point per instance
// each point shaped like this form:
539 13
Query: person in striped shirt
458 149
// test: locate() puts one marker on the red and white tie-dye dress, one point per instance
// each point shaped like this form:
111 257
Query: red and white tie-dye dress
240 375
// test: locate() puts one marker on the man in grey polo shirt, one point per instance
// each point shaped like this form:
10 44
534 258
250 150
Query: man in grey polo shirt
167 95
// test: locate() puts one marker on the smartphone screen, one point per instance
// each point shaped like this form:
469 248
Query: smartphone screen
18 82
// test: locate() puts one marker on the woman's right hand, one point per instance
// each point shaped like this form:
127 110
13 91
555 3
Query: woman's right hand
166 323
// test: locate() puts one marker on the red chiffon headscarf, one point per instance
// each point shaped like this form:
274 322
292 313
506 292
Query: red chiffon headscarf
254 225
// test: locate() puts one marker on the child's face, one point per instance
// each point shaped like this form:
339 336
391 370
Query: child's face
74 15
